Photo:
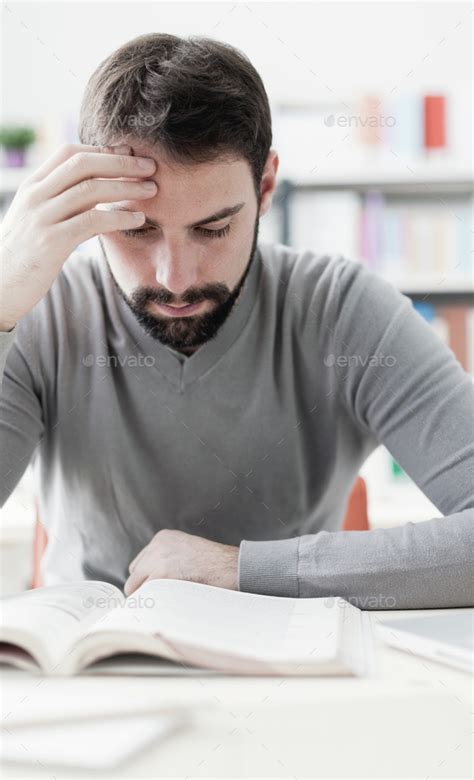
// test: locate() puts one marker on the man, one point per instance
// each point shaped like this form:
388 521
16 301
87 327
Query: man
198 403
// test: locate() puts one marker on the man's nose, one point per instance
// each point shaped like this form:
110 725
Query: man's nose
176 271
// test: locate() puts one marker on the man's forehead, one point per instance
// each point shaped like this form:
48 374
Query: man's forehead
189 169
190 191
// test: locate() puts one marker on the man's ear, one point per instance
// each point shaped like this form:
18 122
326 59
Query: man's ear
269 181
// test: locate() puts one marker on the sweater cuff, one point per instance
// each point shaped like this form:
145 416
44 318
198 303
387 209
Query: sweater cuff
269 568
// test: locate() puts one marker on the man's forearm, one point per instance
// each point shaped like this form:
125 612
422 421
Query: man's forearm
414 566
21 418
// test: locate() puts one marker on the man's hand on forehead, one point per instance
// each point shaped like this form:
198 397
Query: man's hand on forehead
61 199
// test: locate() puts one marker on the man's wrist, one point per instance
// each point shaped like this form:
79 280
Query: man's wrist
231 567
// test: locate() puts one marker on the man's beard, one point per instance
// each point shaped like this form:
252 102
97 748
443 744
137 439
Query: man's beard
186 333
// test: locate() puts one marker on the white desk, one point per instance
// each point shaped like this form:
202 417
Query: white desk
412 720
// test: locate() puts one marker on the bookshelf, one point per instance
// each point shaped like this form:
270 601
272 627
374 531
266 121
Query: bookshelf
432 190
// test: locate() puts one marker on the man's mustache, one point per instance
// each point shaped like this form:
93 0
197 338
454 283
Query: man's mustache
218 292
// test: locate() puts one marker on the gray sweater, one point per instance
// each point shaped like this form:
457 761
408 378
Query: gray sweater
254 440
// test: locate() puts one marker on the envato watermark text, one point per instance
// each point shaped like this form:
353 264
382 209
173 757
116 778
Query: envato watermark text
114 361
343 361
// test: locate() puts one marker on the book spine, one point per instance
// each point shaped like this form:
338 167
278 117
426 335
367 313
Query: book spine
435 121
456 318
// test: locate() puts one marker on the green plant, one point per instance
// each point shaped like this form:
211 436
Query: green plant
16 136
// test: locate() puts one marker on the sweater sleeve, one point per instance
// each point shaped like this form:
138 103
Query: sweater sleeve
400 382
21 415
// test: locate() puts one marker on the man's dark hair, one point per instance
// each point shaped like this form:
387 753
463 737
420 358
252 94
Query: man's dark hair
197 98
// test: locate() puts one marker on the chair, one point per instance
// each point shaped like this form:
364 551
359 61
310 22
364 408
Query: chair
40 540
356 519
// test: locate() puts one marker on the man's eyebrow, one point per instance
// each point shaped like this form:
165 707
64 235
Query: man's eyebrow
228 211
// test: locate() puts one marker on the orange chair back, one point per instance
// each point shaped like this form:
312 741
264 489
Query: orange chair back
357 518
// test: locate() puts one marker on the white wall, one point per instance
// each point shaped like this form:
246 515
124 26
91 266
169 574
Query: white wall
304 51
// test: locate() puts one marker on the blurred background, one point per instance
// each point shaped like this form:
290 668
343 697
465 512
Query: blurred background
372 112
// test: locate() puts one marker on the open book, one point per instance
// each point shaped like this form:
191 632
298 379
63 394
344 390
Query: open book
66 629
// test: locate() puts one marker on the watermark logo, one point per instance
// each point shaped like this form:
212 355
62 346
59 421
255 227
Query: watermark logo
111 602
376 601
137 120
343 361
114 361
355 120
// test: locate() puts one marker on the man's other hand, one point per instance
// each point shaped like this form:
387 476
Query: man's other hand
177 555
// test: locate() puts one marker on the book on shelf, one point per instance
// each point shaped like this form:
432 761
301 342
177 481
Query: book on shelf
316 219
416 238
411 241
434 111
63 630
454 325
459 323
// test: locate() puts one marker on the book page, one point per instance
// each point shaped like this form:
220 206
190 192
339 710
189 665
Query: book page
48 621
248 626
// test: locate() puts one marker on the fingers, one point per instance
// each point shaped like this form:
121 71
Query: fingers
91 192
95 221
137 559
134 581
137 573
68 150
89 165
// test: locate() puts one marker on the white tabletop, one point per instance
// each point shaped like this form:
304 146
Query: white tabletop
413 719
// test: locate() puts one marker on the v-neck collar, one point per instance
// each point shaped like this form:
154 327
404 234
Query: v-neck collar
180 369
